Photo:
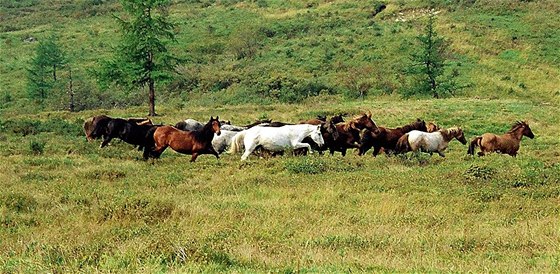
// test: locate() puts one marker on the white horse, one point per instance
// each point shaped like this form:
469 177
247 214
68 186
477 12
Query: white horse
431 142
223 141
276 138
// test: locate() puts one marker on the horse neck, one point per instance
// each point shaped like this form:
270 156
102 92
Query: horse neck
516 133
206 131
447 135
408 128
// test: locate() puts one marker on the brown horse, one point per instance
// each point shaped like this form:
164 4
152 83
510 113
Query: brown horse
323 119
187 142
507 143
386 138
431 127
349 133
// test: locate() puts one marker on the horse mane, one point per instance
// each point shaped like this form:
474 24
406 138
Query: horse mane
449 133
517 125
411 126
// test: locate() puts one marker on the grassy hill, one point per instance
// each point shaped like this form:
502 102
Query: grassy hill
68 206
269 51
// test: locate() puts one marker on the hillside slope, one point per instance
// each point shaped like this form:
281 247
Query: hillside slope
264 51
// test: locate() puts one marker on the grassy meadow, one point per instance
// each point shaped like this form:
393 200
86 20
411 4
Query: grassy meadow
67 206
76 207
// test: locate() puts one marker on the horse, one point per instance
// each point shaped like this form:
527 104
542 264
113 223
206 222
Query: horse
221 142
131 132
96 126
329 132
195 142
349 133
323 119
258 122
507 143
431 127
192 124
386 138
430 141
232 128
275 138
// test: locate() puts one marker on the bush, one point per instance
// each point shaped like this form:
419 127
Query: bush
306 165
37 147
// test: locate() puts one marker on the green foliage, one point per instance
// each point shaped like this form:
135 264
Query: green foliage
37 147
143 58
42 71
428 66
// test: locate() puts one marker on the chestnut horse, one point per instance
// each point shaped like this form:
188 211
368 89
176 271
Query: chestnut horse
431 127
187 142
349 133
430 141
507 143
387 138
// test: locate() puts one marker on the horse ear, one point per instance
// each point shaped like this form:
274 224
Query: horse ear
369 113
218 118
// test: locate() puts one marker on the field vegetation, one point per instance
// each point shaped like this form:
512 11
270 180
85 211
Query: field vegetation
68 206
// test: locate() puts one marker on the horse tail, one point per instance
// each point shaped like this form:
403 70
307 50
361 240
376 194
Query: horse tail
474 143
237 142
403 146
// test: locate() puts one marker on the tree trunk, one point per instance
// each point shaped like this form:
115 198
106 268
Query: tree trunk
152 97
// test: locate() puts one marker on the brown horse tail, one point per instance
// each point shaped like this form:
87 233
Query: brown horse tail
473 145
403 146
237 142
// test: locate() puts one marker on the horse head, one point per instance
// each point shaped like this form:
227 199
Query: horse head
337 119
363 121
419 125
460 136
316 136
431 127
215 123
527 130
330 128
322 118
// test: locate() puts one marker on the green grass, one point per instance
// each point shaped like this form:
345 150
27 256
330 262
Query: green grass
68 206
76 207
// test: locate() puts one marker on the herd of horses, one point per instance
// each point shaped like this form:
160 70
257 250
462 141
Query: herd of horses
270 138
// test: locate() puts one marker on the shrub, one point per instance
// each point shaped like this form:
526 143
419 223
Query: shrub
37 147
18 202
305 165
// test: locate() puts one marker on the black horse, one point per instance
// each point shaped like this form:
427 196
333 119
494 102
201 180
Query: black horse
132 133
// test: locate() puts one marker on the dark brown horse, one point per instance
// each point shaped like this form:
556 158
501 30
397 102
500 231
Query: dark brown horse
96 126
329 132
130 131
323 119
386 138
187 142
507 143
349 133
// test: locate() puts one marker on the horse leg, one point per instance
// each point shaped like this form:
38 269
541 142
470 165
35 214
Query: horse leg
248 150
376 150
194 155
343 151
212 151
303 145
106 140
440 153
